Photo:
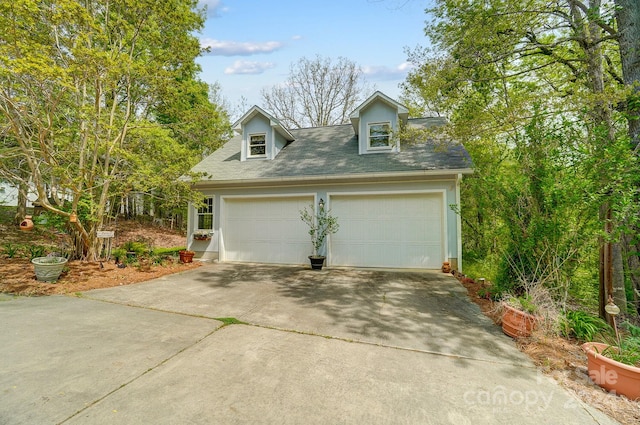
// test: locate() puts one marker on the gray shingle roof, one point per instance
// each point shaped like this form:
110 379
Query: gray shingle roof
331 151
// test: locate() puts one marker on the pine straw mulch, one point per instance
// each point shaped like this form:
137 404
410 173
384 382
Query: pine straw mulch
17 275
564 361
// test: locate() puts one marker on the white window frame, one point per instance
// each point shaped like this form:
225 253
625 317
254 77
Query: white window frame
379 148
205 211
249 145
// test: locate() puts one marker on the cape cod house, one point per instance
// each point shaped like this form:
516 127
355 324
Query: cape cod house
395 202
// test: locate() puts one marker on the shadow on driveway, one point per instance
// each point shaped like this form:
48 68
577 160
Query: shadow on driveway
425 310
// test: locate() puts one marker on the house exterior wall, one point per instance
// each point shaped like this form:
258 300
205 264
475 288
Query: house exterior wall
9 195
376 112
447 186
257 125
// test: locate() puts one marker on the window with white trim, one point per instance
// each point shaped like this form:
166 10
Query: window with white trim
257 146
379 135
205 214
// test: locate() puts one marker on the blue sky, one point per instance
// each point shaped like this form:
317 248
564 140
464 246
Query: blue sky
253 43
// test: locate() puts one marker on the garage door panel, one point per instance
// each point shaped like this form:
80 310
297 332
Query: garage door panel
403 230
265 230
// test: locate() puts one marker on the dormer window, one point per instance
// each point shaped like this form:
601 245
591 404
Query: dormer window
257 146
379 135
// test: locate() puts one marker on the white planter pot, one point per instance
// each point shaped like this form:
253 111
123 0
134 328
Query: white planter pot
48 269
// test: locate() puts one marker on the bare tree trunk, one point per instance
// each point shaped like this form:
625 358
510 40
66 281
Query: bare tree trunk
21 209
619 290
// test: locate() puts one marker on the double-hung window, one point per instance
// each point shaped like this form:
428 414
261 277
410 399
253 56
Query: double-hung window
205 214
257 146
379 135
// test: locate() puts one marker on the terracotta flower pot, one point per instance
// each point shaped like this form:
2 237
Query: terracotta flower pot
446 267
186 256
610 374
27 223
517 323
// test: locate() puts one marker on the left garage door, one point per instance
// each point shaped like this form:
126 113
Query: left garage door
265 230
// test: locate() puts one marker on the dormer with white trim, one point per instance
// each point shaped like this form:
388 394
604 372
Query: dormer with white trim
375 122
263 137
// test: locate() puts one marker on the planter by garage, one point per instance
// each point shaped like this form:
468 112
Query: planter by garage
186 256
316 262
48 269
517 323
610 374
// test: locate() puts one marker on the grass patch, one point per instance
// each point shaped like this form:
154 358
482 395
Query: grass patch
230 321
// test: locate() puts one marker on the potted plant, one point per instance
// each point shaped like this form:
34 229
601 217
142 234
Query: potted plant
519 317
616 367
321 224
201 235
49 268
186 256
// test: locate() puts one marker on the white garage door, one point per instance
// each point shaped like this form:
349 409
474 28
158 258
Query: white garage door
404 230
265 230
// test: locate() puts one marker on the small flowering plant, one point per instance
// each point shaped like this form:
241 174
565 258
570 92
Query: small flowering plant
201 235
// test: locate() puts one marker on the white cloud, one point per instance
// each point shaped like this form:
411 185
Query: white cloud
248 67
236 48
386 73
297 37
214 7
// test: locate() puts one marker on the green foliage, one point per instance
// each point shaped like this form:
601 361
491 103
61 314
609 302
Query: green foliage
36 251
11 250
628 352
173 251
119 254
136 247
632 329
321 224
522 302
539 118
583 326
109 99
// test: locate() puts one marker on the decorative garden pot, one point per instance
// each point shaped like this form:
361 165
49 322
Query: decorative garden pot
186 256
610 374
517 323
48 269
27 223
316 262
446 267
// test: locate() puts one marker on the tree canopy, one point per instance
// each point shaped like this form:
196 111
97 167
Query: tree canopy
101 98
537 93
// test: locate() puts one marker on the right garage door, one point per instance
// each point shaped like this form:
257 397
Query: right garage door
391 230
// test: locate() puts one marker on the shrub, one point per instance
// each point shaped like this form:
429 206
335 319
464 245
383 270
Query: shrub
36 251
583 326
11 250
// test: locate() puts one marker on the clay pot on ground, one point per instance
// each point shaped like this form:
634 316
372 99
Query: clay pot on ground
26 224
186 256
611 374
517 323
446 267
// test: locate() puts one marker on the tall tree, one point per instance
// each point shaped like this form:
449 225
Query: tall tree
628 20
317 93
502 64
80 83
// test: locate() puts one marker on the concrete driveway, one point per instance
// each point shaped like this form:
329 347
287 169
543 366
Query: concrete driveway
332 347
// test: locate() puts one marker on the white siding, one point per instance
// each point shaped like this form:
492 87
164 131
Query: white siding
389 230
265 230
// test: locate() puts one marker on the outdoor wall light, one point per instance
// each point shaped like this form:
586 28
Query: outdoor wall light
321 203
